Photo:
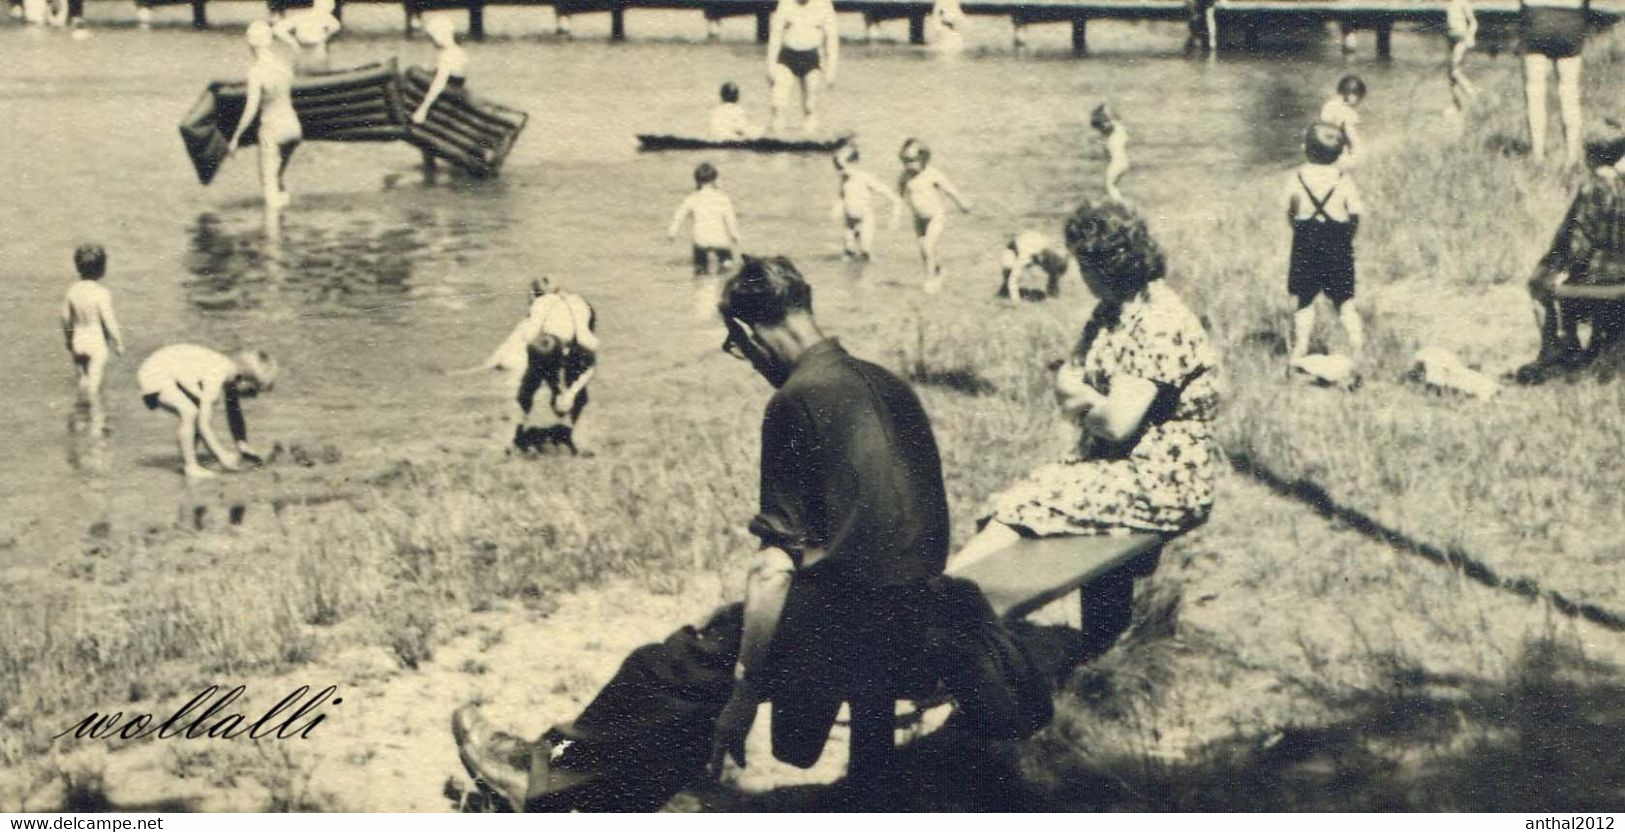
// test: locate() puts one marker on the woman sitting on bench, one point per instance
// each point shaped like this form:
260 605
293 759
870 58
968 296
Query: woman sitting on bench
1141 388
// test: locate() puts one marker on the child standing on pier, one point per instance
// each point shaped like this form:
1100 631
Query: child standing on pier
1461 30
923 187
853 205
715 226
1323 206
1116 138
1341 112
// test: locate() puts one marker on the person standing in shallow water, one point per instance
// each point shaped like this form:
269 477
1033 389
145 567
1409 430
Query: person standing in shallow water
1553 34
450 72
90 327
270 100
803 49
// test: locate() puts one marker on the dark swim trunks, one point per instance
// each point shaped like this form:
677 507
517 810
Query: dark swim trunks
1553 31
800 61
702 259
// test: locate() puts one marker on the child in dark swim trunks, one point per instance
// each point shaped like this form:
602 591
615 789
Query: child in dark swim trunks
1323 206
716 227
923 188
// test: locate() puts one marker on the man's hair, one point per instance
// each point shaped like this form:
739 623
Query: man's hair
1113 244
1351 85
730 92
705 174
1323 143
764 291
91 261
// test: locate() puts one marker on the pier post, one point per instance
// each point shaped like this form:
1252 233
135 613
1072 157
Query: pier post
713 25
1080 36
476 19
764 26
617 22
1385 40
1018 37
200 18
871 27
916 29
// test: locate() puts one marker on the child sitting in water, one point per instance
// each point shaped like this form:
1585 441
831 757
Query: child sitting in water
853 206
89 326
715 227
186 379
1323 206
1462 32
923 187
1116 138
1028 254
728 119
1340 111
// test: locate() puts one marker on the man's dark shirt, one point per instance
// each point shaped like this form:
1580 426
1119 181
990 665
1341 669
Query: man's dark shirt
1590 245
850 473
852 490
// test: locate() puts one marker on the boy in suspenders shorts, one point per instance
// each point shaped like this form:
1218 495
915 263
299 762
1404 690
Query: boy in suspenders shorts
1324 208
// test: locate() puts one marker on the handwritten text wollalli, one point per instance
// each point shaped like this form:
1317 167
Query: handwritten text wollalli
213 722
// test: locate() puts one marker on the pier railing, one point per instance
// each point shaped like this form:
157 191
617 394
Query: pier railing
1246 17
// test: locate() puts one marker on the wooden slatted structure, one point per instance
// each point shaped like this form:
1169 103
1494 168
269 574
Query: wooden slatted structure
1246 16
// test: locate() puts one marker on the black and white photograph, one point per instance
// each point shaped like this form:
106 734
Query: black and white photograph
809 406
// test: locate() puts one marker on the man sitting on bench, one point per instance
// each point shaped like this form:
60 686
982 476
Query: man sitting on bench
845 599
1140 387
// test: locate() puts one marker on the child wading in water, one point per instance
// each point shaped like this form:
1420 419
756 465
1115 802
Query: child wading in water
716 228
853 206
923 187
90 327
1462 32
1116 138
1323 205
1340 112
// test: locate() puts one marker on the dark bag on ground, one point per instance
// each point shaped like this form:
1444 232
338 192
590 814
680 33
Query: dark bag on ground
1000 687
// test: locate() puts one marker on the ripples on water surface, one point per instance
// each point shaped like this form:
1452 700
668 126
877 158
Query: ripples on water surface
375 282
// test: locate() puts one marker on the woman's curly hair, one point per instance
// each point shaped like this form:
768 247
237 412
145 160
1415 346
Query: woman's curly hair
1113 244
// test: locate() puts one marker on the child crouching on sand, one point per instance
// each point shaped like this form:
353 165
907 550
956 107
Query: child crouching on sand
923 187
1323 206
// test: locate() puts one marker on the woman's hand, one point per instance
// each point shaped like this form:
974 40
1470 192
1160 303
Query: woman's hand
420 115
1072 393
231 147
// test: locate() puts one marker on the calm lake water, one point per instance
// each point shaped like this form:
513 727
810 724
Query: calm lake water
376 284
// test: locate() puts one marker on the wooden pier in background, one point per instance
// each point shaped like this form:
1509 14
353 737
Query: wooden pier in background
1246 17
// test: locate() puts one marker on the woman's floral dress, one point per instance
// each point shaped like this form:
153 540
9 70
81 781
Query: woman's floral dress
1162 478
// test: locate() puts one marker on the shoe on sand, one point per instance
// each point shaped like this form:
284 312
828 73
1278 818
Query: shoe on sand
499 762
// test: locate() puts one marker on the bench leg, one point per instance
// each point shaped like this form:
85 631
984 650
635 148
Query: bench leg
200 17
916 29
869 767
1107 607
